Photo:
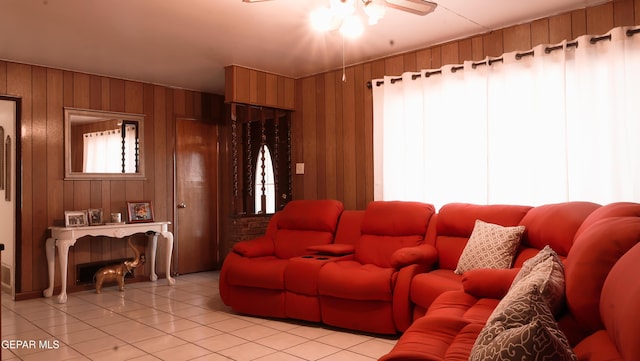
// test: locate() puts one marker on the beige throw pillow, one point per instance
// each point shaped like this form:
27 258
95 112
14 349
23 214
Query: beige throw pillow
490 246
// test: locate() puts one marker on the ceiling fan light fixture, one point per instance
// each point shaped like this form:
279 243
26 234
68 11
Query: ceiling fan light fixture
351 26
375 10
418 7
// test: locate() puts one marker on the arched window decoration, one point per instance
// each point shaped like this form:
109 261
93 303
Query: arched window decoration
261 158
265 186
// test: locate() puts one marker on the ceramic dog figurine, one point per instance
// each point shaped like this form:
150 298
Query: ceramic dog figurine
117 272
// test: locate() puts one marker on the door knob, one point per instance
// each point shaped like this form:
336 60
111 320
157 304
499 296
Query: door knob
182 205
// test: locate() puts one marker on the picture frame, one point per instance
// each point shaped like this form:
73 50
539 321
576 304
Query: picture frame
140 211
75 219
95 216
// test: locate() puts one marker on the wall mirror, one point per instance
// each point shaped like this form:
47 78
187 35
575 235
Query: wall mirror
100 144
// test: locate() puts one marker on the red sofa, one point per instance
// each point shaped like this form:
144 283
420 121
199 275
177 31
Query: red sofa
307 281
596 323
375 271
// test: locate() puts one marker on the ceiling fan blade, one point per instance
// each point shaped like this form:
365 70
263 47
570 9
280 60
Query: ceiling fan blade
418 7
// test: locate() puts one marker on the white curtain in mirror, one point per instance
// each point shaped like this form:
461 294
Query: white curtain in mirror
100 147
552 127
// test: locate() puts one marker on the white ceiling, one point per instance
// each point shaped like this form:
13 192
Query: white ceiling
187 43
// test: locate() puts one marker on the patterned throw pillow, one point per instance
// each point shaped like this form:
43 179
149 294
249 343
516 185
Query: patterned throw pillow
490 246
524 330
545 271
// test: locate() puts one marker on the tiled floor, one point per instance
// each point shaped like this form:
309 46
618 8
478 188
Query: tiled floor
154 321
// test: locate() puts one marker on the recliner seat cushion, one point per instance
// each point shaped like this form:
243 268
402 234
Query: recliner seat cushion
354 281
260 272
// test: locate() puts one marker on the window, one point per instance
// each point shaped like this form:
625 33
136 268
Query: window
265 185
261 157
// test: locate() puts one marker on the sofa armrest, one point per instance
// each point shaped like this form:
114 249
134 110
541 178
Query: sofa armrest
424 254
334 249
488 283
257 247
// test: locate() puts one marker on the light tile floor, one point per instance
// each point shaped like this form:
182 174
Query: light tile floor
154 321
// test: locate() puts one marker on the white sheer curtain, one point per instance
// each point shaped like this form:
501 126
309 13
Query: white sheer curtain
103 151
530 129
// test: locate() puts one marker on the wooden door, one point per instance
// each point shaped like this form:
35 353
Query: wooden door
196 196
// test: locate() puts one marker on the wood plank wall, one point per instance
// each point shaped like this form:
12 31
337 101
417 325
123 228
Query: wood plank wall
332 130
45 193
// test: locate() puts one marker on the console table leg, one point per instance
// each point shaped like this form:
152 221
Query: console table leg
50 247
153 246
169 237
63 255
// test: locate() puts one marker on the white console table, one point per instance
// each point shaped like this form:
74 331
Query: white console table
65 237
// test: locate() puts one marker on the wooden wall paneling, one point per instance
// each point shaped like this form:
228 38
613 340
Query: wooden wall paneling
517 38
271 90
340 146
96 201
148 100
39 184
253 86
493 43
578 23
600 19
95 92
133 97
67 88
367 117
321 137
55 153
465 50
636 6
19 80
297 148
450 53
477 47
158 147
309 114
409 61
539 32
81 90
560 28
330 140
423 60
105 93
349 136
623 13
261 87
359 88
117 95
82 249
189 104
436 57
289 92
392 66
3 77
241 90
179 103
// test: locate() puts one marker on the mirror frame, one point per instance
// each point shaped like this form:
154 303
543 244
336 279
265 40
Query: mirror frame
70 175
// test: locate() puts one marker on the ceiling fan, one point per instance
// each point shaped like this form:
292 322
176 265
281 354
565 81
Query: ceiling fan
418 7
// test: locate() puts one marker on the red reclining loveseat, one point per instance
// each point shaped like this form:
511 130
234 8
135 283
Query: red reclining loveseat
319 263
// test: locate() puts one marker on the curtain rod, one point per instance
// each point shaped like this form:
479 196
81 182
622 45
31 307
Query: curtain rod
518 56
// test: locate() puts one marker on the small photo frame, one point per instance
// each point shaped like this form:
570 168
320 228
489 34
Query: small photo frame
75 219
95 216
140 211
